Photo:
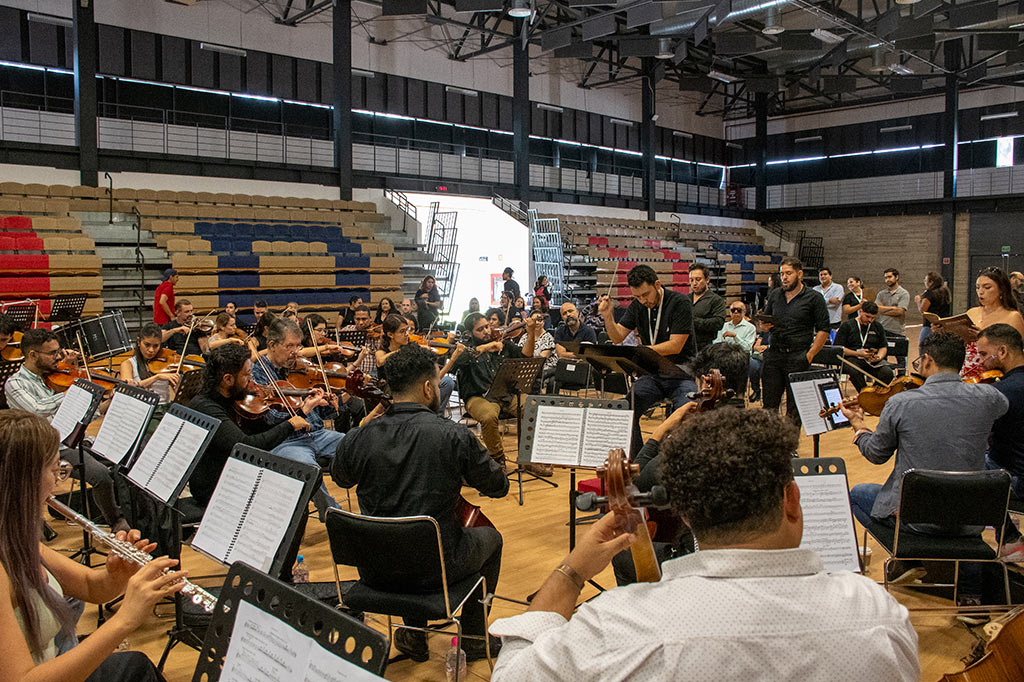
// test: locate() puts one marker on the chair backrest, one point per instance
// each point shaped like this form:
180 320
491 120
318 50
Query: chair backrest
386 551
954 498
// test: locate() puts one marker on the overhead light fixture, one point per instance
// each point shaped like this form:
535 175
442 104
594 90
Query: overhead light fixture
773 22
809 138
907 2
665 49
49 19
1005 114
895 129
901 69
680 133
723 77
827 36
879 61
621 122
520 9
461 91
363 74
734 145
223 49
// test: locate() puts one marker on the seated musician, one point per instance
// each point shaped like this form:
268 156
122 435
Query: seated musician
27 390
410 462
1000 348
135 370
571 329
864 345
395 335
663 320
475 374
312 446
942 425
751 605
177 331
36 580
7 329
367 361
351 410
225 330
226 379
732 362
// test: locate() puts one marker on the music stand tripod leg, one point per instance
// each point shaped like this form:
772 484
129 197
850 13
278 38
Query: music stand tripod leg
519 467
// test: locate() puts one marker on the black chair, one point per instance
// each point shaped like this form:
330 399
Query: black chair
572 375
899 349
946 499
390 549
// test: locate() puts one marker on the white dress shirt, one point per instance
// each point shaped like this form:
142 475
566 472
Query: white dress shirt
745 333
720 615
835 310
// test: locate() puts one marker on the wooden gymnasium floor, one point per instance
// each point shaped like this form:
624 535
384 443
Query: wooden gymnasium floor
535 540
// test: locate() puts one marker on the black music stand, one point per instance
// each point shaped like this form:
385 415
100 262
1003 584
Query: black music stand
67 307
340 634
7 370
515 377
22 314
352 336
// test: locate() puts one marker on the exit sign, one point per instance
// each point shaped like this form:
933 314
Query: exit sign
442 188
1006 249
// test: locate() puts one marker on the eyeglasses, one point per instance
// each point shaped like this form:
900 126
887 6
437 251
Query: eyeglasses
62 470
916 364
735 310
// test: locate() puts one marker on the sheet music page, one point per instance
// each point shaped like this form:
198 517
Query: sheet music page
265 649
265 524
221 521
828 523
605 429
808 404
72 411
556 436
160 473
124 421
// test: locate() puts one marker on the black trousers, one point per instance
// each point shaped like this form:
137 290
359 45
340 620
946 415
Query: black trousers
98 476
883 373
775 379
126 666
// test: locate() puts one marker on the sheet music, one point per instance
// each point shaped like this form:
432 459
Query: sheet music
266 521
264 648
605 429
556 437
72 411
828 523
124 421
167 456
808 404
216 533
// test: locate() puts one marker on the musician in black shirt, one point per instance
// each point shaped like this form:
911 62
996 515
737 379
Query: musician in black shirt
663 320
864 345
410 462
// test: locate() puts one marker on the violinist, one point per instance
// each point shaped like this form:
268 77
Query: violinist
347 315
27 390
260 332
916 426
231 309
135 370
395 336
361 323
7 329
182 328
1000 348
226 379
750 589
864 345
225 331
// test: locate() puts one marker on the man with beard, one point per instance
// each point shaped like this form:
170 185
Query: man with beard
226 378
800 330
412 462
708 307
571 330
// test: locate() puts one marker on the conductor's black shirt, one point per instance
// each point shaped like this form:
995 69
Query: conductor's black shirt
796 321
676 318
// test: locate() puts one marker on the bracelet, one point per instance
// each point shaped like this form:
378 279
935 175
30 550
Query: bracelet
570 573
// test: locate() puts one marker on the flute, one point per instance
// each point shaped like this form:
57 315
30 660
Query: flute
129 552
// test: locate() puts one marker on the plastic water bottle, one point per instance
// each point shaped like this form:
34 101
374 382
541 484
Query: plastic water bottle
300 574
455 662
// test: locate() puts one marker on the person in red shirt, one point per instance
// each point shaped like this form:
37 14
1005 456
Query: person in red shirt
163 300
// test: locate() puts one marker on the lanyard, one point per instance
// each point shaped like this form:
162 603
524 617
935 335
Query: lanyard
863 335
657 322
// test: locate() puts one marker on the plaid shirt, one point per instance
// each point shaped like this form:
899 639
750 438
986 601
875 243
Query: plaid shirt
368 364
261 377
28 391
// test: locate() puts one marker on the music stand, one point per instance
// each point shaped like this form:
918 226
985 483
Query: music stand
189 386
514 378
248 592
22 314
67 307
631 361
7 370
352 336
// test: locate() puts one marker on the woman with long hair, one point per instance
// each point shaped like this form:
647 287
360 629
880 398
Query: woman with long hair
519 309
428 303
539 307
225 331
474 307
395 334
135 370
542 290
36 579
384 308
995 305
936 299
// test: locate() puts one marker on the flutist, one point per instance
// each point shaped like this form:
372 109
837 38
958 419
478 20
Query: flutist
37 628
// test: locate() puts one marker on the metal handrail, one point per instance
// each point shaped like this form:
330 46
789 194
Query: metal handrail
400 200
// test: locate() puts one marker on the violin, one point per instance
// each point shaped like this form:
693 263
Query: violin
61 379
286 397
12 351
873 398
470 515
167 360
509 331
1001 658
307 375
989 376
367 388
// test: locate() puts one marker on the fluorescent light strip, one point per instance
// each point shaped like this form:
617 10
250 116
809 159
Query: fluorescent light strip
895 129
1005 114
50 19
223 49
363 74
809 138
550 107
461 91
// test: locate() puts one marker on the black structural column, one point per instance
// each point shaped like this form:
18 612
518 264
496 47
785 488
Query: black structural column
761 143
342 99
647 133
521 115
950 139
85 61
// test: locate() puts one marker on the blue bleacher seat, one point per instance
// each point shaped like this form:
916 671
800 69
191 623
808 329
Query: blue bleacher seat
243 245
351 262
220 245
238 262
264 232
238 280
352 279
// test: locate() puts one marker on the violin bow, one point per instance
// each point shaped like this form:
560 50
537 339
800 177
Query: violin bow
612 282
319 359
84 358
265 364
869 376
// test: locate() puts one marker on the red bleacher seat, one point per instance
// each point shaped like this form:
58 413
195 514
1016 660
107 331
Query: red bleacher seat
17 222
8 244
20 262
24 285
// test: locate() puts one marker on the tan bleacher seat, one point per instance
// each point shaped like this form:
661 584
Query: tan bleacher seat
83 244
245 213
56 244
44 223
300 248
261 246
223 198
177 246
317 247
199 245
185 211
125 193
185 197
322 204
204 197
275 201
279 246
12 188
83 192
68 224
33 206
247 200
60 190
158 226
37 190
145 194
57 206
165 196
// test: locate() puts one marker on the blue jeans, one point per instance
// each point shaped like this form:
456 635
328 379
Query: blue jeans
648 391
925 333
1010 531
447 386
317 449
862 499
754 373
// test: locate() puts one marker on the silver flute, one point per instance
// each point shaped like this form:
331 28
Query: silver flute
129 552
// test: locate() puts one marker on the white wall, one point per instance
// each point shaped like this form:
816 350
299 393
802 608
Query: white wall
633 214
45 175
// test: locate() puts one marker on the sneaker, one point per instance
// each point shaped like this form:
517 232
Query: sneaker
544 470
904 572
1013 552
413 644
475 649
972 619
